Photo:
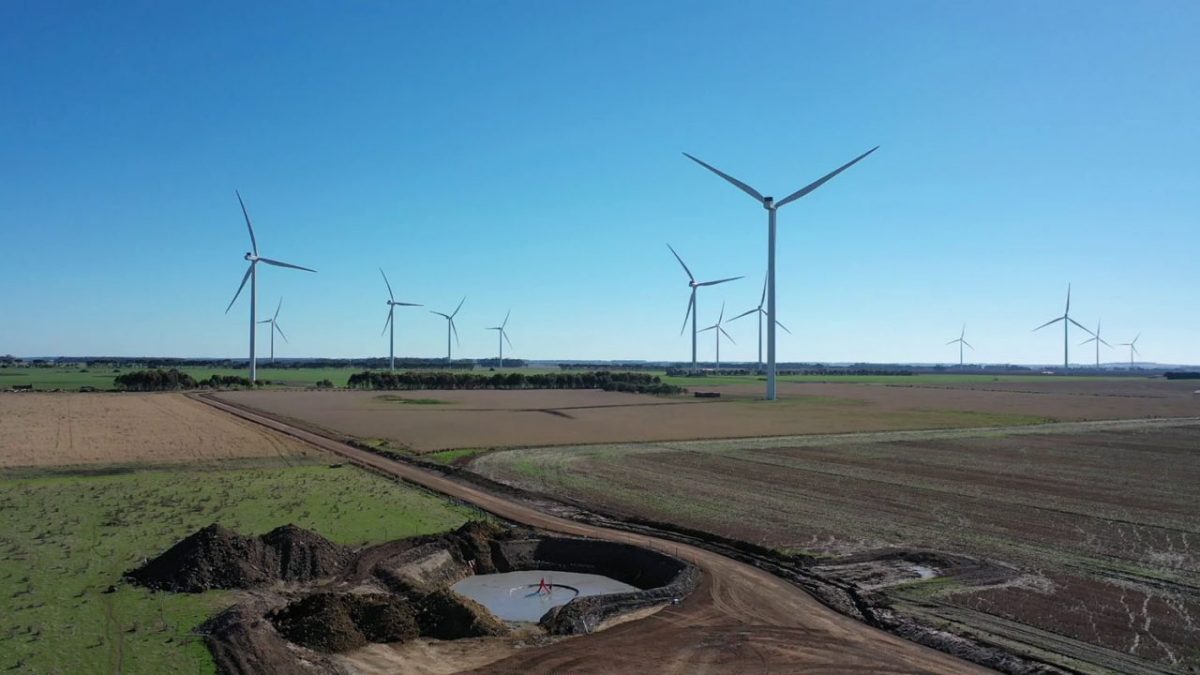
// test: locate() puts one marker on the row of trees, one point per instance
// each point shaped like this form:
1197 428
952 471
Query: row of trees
158 379
830 372
642 383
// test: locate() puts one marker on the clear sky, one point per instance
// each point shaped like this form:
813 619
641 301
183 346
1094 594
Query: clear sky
526 155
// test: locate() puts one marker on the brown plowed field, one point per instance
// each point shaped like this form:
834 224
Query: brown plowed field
1101 520
491 419
38 430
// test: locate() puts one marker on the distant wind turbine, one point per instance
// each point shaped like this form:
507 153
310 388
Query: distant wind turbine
1099 341
1067 321
1132 344
252 276
391 321
761 313
691 308
720 330
961 340
503 336
772 206
450 327
275 328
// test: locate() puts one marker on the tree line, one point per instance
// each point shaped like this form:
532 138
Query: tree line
640 383
158 379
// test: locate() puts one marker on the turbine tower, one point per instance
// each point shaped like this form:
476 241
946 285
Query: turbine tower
391 322
761 313
719 329
252 276
961 340
275 328
1099 341
503 336
450 327
772 206
1132 344
1067 321
691 308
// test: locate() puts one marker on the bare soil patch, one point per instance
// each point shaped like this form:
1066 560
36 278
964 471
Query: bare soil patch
45 430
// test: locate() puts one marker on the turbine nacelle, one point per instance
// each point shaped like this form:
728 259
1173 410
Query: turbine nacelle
768 203
250 256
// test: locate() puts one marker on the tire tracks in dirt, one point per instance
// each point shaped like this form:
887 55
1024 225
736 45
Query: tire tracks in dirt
739 619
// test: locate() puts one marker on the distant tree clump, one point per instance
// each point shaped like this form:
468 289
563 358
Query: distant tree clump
325 384
158 379
1182 375
640 383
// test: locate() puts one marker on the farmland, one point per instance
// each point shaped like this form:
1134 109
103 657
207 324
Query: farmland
490 419
138 473
1097 520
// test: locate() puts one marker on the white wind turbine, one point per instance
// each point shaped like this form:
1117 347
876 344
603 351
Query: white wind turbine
1099 341
275 328
691 308
761 313
252 276
450 327
1132 344
1067 321
772 206
719 329
961 340
391 321
503 336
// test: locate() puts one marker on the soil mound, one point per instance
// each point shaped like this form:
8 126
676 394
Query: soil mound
446 615
332 622
215 557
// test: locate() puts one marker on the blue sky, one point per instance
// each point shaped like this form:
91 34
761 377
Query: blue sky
527 155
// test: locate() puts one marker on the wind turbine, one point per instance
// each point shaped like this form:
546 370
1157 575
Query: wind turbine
503 336
252 276
720 329
691 308
761 313
391 322
1098 340
450 327
1132 344
961 340
275 328
1067 321
772 206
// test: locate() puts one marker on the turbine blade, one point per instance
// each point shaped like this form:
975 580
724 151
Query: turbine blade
1087 341
389 286
277 308
263 321
726 334
744 314
955 341
407 304
1136 338
737 183
1103 342
454 329
460 304
968 344
685 267
387 321
691 304
245 278
283 264
763 299
1083 327
721 318
280 331
504 334
1068 299
718 281
446 316
1051 321
253 243
505 322
783 327
705 330
825 179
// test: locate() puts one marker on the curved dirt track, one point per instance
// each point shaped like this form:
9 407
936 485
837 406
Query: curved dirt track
740 619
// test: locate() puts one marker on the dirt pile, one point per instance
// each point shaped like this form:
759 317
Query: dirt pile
337 622
446 615
215 557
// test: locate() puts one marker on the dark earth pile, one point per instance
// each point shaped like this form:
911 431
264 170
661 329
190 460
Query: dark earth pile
215 557
446 615
335 622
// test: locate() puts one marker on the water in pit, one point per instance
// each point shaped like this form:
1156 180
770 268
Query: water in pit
522 596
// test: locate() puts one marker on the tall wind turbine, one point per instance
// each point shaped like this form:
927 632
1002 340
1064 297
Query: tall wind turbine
761 313
691 308
275 328
1132 344
772 206
719 329
450 328
252 276
503 336
1099 341
1067 321
961 340
391 321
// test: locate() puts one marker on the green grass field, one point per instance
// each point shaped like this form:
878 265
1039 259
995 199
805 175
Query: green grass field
69 536
930 378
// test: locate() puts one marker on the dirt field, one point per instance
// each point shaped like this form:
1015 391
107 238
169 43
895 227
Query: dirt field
40 430
1099 522
441 420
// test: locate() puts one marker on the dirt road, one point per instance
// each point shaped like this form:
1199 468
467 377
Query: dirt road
741 619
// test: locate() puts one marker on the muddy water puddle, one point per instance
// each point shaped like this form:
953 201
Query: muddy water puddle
528 594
